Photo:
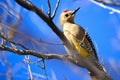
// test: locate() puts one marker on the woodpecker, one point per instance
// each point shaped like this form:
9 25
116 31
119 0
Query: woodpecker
78 37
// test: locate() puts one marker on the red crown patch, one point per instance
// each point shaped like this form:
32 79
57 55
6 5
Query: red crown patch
66 10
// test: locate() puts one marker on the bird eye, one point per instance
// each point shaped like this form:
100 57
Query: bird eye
66 15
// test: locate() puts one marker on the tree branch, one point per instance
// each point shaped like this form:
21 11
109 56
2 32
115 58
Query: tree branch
74 57
45 42
55 10
30 52
8 67
3 37
109 2
49 7
105 7
27 60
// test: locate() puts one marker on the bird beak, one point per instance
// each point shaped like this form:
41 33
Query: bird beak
75 10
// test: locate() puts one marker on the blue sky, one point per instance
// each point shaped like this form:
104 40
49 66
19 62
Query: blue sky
103 28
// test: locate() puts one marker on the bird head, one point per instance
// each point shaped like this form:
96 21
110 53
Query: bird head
67 16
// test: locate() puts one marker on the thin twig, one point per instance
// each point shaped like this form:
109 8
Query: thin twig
9 72
109 2
45 69
39 76
34 53
106 7
28 38
45 42
55 10
3 37
49 7
64 77
36 62
10 10
27 60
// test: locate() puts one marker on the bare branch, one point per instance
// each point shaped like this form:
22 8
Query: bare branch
45 42
11 11
55 56
12 28
30 52
41 14
44 68
74 57
113 10
27 60
3 37
23 3
49 7
9 72
64 77
109 2
39 76
55 10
